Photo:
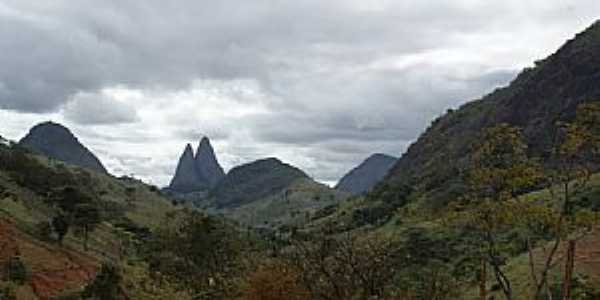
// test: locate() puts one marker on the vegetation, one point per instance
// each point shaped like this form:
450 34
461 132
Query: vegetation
511 230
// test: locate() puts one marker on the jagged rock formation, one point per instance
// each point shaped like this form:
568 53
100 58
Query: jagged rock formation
207 165
255 181
534 101
197 173
186 178
56 141
364 177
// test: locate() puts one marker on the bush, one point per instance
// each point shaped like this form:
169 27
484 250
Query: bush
106 286
274 281
16 270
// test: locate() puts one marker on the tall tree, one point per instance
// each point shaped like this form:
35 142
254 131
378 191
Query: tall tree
86 216
499 171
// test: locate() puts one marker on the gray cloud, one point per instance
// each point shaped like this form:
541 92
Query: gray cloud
321 84
97 109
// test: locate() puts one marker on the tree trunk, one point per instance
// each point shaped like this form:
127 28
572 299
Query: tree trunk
482 280
85 238
569 267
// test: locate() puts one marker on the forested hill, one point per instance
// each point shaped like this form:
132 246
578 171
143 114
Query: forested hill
535 101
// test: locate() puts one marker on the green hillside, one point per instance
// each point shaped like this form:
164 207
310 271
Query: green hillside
127 219
535 101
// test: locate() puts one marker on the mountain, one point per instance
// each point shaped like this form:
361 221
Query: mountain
534 101
199 172
254 181
364 177
32 193
207 165
186 177
271 193
56 141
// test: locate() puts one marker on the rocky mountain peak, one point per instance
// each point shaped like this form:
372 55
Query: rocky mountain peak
207 166
56 141
199 172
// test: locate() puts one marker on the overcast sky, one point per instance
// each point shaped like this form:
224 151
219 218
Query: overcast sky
320 84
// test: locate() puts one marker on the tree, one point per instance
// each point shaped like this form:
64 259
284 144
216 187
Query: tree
274 280
500 170
201 252
16 270
86 216
347 267
60 223
575 154
106 285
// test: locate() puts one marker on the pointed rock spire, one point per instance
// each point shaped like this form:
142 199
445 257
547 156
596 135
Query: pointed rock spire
207 166
186 178
198 172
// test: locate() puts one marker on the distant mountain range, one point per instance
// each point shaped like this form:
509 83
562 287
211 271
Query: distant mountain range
363 178
56 141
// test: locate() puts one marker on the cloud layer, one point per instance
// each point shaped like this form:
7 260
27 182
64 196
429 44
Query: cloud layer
321 84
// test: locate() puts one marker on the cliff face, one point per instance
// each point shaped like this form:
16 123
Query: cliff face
364 177
207 166
199 172
186 178
56 141
534 101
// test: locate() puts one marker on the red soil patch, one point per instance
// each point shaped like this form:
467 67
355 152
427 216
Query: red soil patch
587 256
52 269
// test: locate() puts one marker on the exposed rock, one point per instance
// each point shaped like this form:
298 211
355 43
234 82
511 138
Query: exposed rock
196 173
364 177
56 141
186 177
207 166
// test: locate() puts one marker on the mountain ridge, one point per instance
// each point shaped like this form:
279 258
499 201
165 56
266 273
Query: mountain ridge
367 174
534 101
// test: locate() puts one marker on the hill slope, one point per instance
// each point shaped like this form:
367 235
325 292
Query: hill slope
254 181
534 101
364 177
56 141
30 186
269 193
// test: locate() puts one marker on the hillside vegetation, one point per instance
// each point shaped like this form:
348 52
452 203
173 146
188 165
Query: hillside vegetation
535 101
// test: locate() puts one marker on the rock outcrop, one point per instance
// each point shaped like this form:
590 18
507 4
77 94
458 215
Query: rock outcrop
57 142
199 172
207 166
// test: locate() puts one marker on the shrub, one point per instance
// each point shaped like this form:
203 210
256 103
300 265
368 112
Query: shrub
273 281
106 286
16 270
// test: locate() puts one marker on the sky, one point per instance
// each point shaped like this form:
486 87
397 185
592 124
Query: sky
320 84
